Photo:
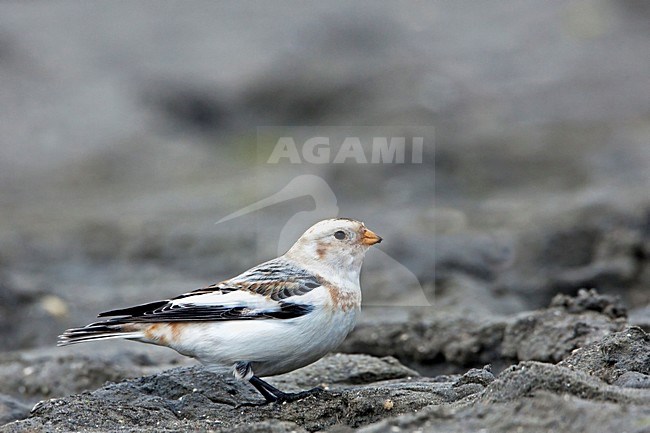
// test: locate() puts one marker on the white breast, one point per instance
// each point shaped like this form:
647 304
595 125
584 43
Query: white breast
273 346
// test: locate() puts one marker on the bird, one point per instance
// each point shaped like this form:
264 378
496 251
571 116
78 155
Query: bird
274 318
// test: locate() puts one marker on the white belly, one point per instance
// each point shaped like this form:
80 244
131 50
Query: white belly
271 346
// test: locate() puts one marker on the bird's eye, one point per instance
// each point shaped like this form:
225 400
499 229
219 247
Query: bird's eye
340 235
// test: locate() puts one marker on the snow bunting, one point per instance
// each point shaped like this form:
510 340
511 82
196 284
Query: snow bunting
274 318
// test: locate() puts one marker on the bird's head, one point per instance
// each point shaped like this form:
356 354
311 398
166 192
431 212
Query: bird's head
338 243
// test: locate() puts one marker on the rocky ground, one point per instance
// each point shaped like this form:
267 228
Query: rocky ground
575 366
132 128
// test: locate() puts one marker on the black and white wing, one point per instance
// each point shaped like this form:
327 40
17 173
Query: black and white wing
273 290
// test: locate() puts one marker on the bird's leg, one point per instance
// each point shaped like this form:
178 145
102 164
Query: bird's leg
271 394
274 395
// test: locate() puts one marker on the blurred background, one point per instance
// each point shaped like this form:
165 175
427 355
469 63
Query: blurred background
128 129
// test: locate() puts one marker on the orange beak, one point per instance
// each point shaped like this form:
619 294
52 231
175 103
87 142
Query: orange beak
370 238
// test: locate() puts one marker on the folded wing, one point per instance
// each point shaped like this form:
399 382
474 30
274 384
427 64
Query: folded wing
272 290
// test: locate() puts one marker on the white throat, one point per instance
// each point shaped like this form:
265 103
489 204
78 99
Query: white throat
342 269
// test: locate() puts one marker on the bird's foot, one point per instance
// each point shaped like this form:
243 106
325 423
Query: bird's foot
288 397
273 395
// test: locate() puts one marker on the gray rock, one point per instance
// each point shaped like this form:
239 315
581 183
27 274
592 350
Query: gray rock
542 413
438 342
529 377
195 399
534 396
623 352
430 341
345 369
591 300
633 379
580 393
52 373
552 334
481 376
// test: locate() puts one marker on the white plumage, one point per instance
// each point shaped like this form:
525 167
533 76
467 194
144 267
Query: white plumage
274 318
